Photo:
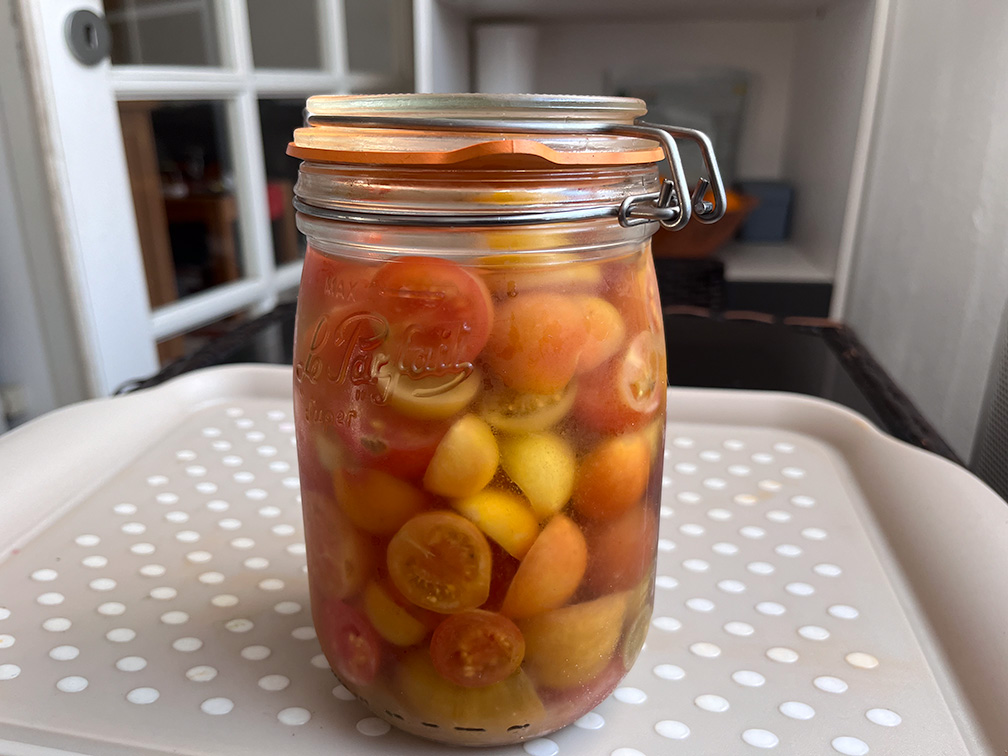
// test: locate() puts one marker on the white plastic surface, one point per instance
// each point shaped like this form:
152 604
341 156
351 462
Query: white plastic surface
166 611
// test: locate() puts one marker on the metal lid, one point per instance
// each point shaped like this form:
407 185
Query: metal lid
514 131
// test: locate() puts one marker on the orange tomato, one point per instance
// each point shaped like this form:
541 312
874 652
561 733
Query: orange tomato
477 648
604 333
465 460
377 502
550 572
612 477
440 561
536 342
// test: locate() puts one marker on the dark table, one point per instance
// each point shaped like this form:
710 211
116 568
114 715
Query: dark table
706 348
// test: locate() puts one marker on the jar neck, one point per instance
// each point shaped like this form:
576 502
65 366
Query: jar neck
461 191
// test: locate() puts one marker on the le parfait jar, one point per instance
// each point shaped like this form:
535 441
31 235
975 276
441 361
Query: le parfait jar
479 387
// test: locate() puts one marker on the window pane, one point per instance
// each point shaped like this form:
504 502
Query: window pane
187 344
163 32
279 118
179 160
380 38
285 35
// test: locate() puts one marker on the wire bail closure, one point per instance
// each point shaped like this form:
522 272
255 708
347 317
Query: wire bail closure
665 206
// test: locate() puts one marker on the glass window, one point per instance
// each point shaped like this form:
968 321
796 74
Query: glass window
285 35
279 118
380 37
163 32
179 160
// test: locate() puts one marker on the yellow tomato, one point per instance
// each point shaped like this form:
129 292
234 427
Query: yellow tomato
433 397
511 411
543 466
571 646
492 709
391 621
465 460
503 517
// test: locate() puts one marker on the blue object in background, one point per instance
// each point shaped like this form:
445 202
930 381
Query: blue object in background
770 221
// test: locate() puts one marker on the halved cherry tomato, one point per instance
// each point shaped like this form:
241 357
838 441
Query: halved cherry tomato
621 550
550 572
631 285
465 460
439 314
477 648
612 477
628 390
440 561
543 466
433 397
504 517
380 438
511 411
340 558
571 646
350 644
377 502
536 342
509 275
392 621
480 716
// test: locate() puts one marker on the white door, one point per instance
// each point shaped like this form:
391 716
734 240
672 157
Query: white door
173 190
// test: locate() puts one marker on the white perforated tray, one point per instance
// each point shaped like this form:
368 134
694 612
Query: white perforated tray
821 588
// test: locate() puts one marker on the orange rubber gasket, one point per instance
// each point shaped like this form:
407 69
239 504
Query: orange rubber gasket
519 148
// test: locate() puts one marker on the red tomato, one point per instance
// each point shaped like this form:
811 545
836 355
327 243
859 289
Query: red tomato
620 551
477 648
350 643
340 557
439 314
440 561
380 438
628 390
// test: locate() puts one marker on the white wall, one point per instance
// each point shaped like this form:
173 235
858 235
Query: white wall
829 75
930 280
39 343
581 57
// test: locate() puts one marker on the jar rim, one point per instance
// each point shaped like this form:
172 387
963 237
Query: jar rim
473 129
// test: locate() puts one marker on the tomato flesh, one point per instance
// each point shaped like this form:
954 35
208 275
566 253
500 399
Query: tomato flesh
440 561
477 648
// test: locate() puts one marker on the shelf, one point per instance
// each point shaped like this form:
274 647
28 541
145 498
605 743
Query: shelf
778 263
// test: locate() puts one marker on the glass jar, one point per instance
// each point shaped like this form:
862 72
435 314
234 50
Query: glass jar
479 389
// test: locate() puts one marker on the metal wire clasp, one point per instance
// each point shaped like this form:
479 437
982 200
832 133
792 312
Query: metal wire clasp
666 205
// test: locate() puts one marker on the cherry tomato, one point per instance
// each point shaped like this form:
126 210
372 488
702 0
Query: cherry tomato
478 716
350 643
620 551
570 646
333 288
511 411
628 390
392 620
439 313
440 561
543 466
604 333
504 517
477 648
612 477
465 460
631 285
381 438
536 342
377 502
340 558
550 572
